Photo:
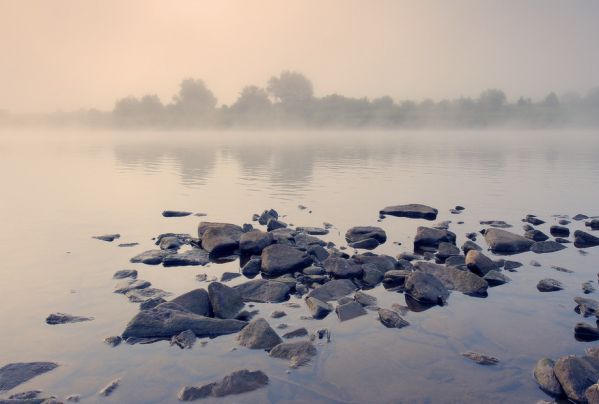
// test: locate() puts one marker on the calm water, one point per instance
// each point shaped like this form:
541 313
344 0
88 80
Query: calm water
62 187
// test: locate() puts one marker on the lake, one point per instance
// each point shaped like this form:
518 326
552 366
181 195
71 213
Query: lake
63 186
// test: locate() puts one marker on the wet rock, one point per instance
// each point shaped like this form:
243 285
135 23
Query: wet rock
413 211
481 359
592 394
511 265
562 240
429 237
395 278
426 288
584 240
536 235
170 243
280 259
110 388
318 308
263 291
313 270
13 374
562 269
409 256
382 262
504 242
274 224
496 278
543 247
580 217
226 302
129 284
587 287
151 303
391 319
143 295
404 264
532 219
318 253
108 237
254 242
267 215
298 353
196 301
457 261
113 341
586 306
367 237
252 267
549 285
586 332
278 314
62 318
593 224
258 335
576 374
564 222
559 231
447 250
125 273
184 340
175 213
238 382
349 311
333 290
342 268
169 319
455 279
313 231
535 263
500 224
300 332
544 376
219 238
151 257
365 299
479 263
227 276
126 245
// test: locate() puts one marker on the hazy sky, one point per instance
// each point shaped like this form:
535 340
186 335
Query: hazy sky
65 54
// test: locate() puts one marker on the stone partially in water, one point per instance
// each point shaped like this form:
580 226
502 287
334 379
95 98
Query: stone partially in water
13 374
280 259
318 308
426 288
559 231
127 285
586 332
367 237
349 311
263 291
584 240
412 211
391 319
481 359
125 273
258 334
536 235
195 256
300 332
254 242
175 213
496 278
429 237
333 290
298 353
549 285
143 295
108 237
110 388
543 247
184 340
238 382
62 318
226 302
576 375
342 268
151 257
195 301
455 279
546 379
219 238
479 263
504 242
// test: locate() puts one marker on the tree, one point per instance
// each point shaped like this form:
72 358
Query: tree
252 99
290 88
194 100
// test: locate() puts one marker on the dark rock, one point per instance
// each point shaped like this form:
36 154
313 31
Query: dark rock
457 261
263 291
184 340
564 222
62 318
143 295
471 236
267 215
364 299
532 219
559 231
227 276
429 237
391 319
447 250
113 341
587 287
125 245
127 285
496 278
500 224
383 263
395 278
455 279
549 285
110 388
584 240
274 224
542 247
252 267
367 237
580 217
333 290
562 269
546 379
151 303
318 253
313 270
175 213
342 268
426 288
586 306
219 238
318 308
479 263
226 302
278 314
505 242
254 242
247 227
576 374
279 259
593 224
258 335
481 359
170 243
404 264
108 237
196 301
586 332
511 265
313 231
536 235
298 353
238 382
409 256
151 257
13 374
349 311
535 263
300 332
125 273
170 319
413 211
562 240
195 256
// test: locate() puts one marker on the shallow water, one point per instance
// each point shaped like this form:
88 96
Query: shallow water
62 187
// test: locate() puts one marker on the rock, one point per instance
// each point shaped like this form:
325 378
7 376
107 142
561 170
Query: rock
258 335
481 359
364 299
13 374
274 224
429 237
175 213
227 276
151 257
564 222
110 388
413 211
496 278
113 341
127 285
500 224
532 219
298 353
559 231
318 308
586 332
395 278
580 217
349 311
267 215
576 374
226 302
391 319
447 250
280 259
108 237
455 279
383 262
592 394
342 268
504 242
254 242
313 270
562 240
238 382
62 318
458 261
300 332
219 238
511 265
549 285
252 267
586 306
367 237
125 273
593 224
546 379
314 231
426 288
587 287
584 240
184 340
542 247
278 314
479 263
196 301
169 319
536 235
151 303
333 290
170 243
318 253
535 263
143 295
125 245
195 256
470 245
263 291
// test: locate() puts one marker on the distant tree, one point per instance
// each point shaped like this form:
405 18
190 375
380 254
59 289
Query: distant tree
195 103
551 101
252 99
492 99
290 88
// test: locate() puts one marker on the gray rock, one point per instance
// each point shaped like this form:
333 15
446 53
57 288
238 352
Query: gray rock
592 394
125 245
333 290
349 311
564 222
219 238
300 332
113 341
169 319
479 263
280 259
535 263
226 302
367 237
195 256
318 253
383 263
227 276
254 242
184 340
238 382
196 301
404 264
391 319
500 224
298 353
252 267
536 235
365 299
395 278
593 224
549 285
125 273
585 332
546 379
258 335
496 278
409 256
342 268
532 219
576 374
413 211
274 224
110 388
313 270
278 314
313 231
429 237
426 288
267 215
559 231
127 285
504 242
447 250
13 374
175 213
108 237
62 318
583 239
586 306
170 243
511 265
151 257
458 261
455 279
263 291
542 247
143 295
481 359
587 287
318 308
580 217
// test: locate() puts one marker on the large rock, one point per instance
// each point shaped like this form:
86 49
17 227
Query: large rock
549 285
126 285
263 291
342 268
238 382
414 211
505 242
391 319
169 319
254 242
195 301
446 250
576 374
455 279
280 259
479 263
583 239
219 238
559 231
426 288
258 335
13 374
349 310
496 278
151 257
593 224
429 237
298 353
543 247
195 256
546 379
382 262
395 278
318 308
333 290
367 237
536 235
226 302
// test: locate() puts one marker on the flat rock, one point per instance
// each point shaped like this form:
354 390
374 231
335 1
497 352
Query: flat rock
367 237
342 268
549 285
125 273
13 374
318 308
196 301
499 224
446 250
300 332
127 285
175 213
151 257
479 263
258 334
576 375
511 265
110 388
580 217
253 242
280 259
193 257
170 243
559 231
544 376
333 290
504 242
455 279
143 295
532 219
298 353
219 238
227 276
543 247
584 240
496 278
349 310
413 211
313 231
536 235
108 237
391 319
586 332
263 291
238 382
481 359
365 299
226 302
429 237
184 340
62 318
426 288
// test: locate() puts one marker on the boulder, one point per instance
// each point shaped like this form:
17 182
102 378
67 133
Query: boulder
546 379
195 256
274 224
365 299
252 267
318 308
333 290
395 278
447 250
263 291
429 237
253 242
583 239
196 301
367 237
342 268
543 247
391 319
298 353
219 238
226 302
413 211
455 279
238 382
258 335
576 375
426 288
13 374
349 310
479 263
549 285
496 278
587 306
536 235
504 242
559 231
279 259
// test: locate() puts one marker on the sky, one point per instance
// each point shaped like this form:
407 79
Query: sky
71 54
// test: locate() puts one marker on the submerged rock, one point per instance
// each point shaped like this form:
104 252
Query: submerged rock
349 310
238 382
226 302
586 306
113 341
426 288
543 247
263 291
300 332
367 237
62 318
549 285
143 295
455 279
314 231
576 375
546 379
13 374
280 259
258 334
175 213
583 239
481 359
151 303
318 308
108 237
298 353
429 237
505 242
413 211
333 290
130 284
391 319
